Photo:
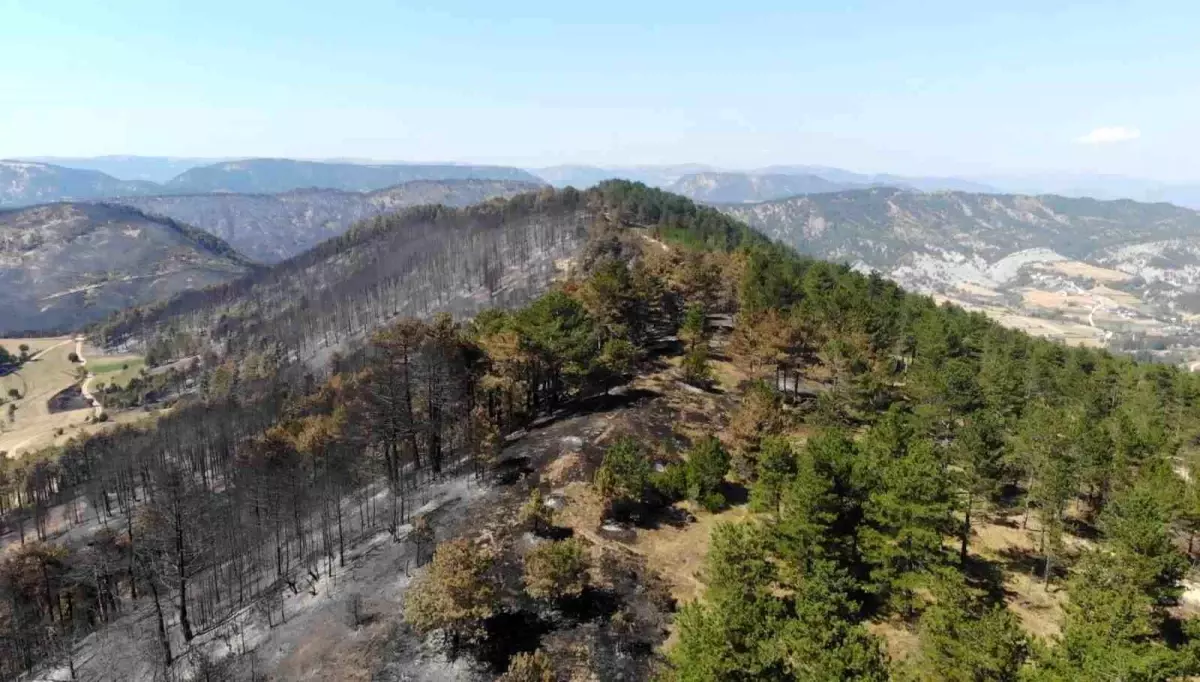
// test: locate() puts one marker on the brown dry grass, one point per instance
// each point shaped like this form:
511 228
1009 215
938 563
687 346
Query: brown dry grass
568 468
1040 609
35 427
1072 268
899 641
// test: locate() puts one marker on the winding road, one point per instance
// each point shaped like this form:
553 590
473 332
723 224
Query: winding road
85 388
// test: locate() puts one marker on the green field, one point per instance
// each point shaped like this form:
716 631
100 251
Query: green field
117 371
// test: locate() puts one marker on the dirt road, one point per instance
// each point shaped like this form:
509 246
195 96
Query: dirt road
85 388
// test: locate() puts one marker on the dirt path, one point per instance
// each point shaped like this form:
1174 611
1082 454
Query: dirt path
85 388
39 354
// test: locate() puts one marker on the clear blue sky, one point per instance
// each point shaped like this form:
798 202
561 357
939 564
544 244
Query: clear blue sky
911 87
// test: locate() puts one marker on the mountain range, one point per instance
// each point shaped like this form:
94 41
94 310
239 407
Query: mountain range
68 264
24 183
282 175
676 178
175 175
272 227
157 169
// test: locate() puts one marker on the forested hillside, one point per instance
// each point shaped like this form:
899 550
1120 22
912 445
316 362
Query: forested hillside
273 227
853 447
66 265
412 263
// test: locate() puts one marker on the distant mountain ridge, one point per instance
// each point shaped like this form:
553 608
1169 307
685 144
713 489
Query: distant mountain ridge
257 176
272 227
714 188
26 183
157 169
700 182
64 265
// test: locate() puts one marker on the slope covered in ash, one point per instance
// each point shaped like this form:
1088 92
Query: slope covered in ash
411 263
64 265
273 227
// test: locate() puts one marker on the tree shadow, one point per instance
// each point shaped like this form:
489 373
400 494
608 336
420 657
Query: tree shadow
734 493
555 533
1082 528
1173 632
511 470
649 516
1031 563
987 576
619 397
592 604
507 634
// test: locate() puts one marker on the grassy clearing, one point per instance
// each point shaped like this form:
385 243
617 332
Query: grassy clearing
31 426
117 371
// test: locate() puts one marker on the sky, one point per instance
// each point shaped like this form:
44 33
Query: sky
932 87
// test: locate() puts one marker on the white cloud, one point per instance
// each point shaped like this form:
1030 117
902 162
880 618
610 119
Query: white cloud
1110 135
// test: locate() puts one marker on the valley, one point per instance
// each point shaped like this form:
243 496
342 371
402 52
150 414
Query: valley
1114 274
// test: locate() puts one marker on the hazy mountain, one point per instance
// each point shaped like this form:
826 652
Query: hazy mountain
158 169
63 265
665 177
582 177
1099 187
23 183
924 184
272 227
746 187
283 175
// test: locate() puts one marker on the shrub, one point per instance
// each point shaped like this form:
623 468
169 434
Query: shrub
671 483
73 356
555 570
696 370
707 465
624 473
456 594
534 515
533 667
